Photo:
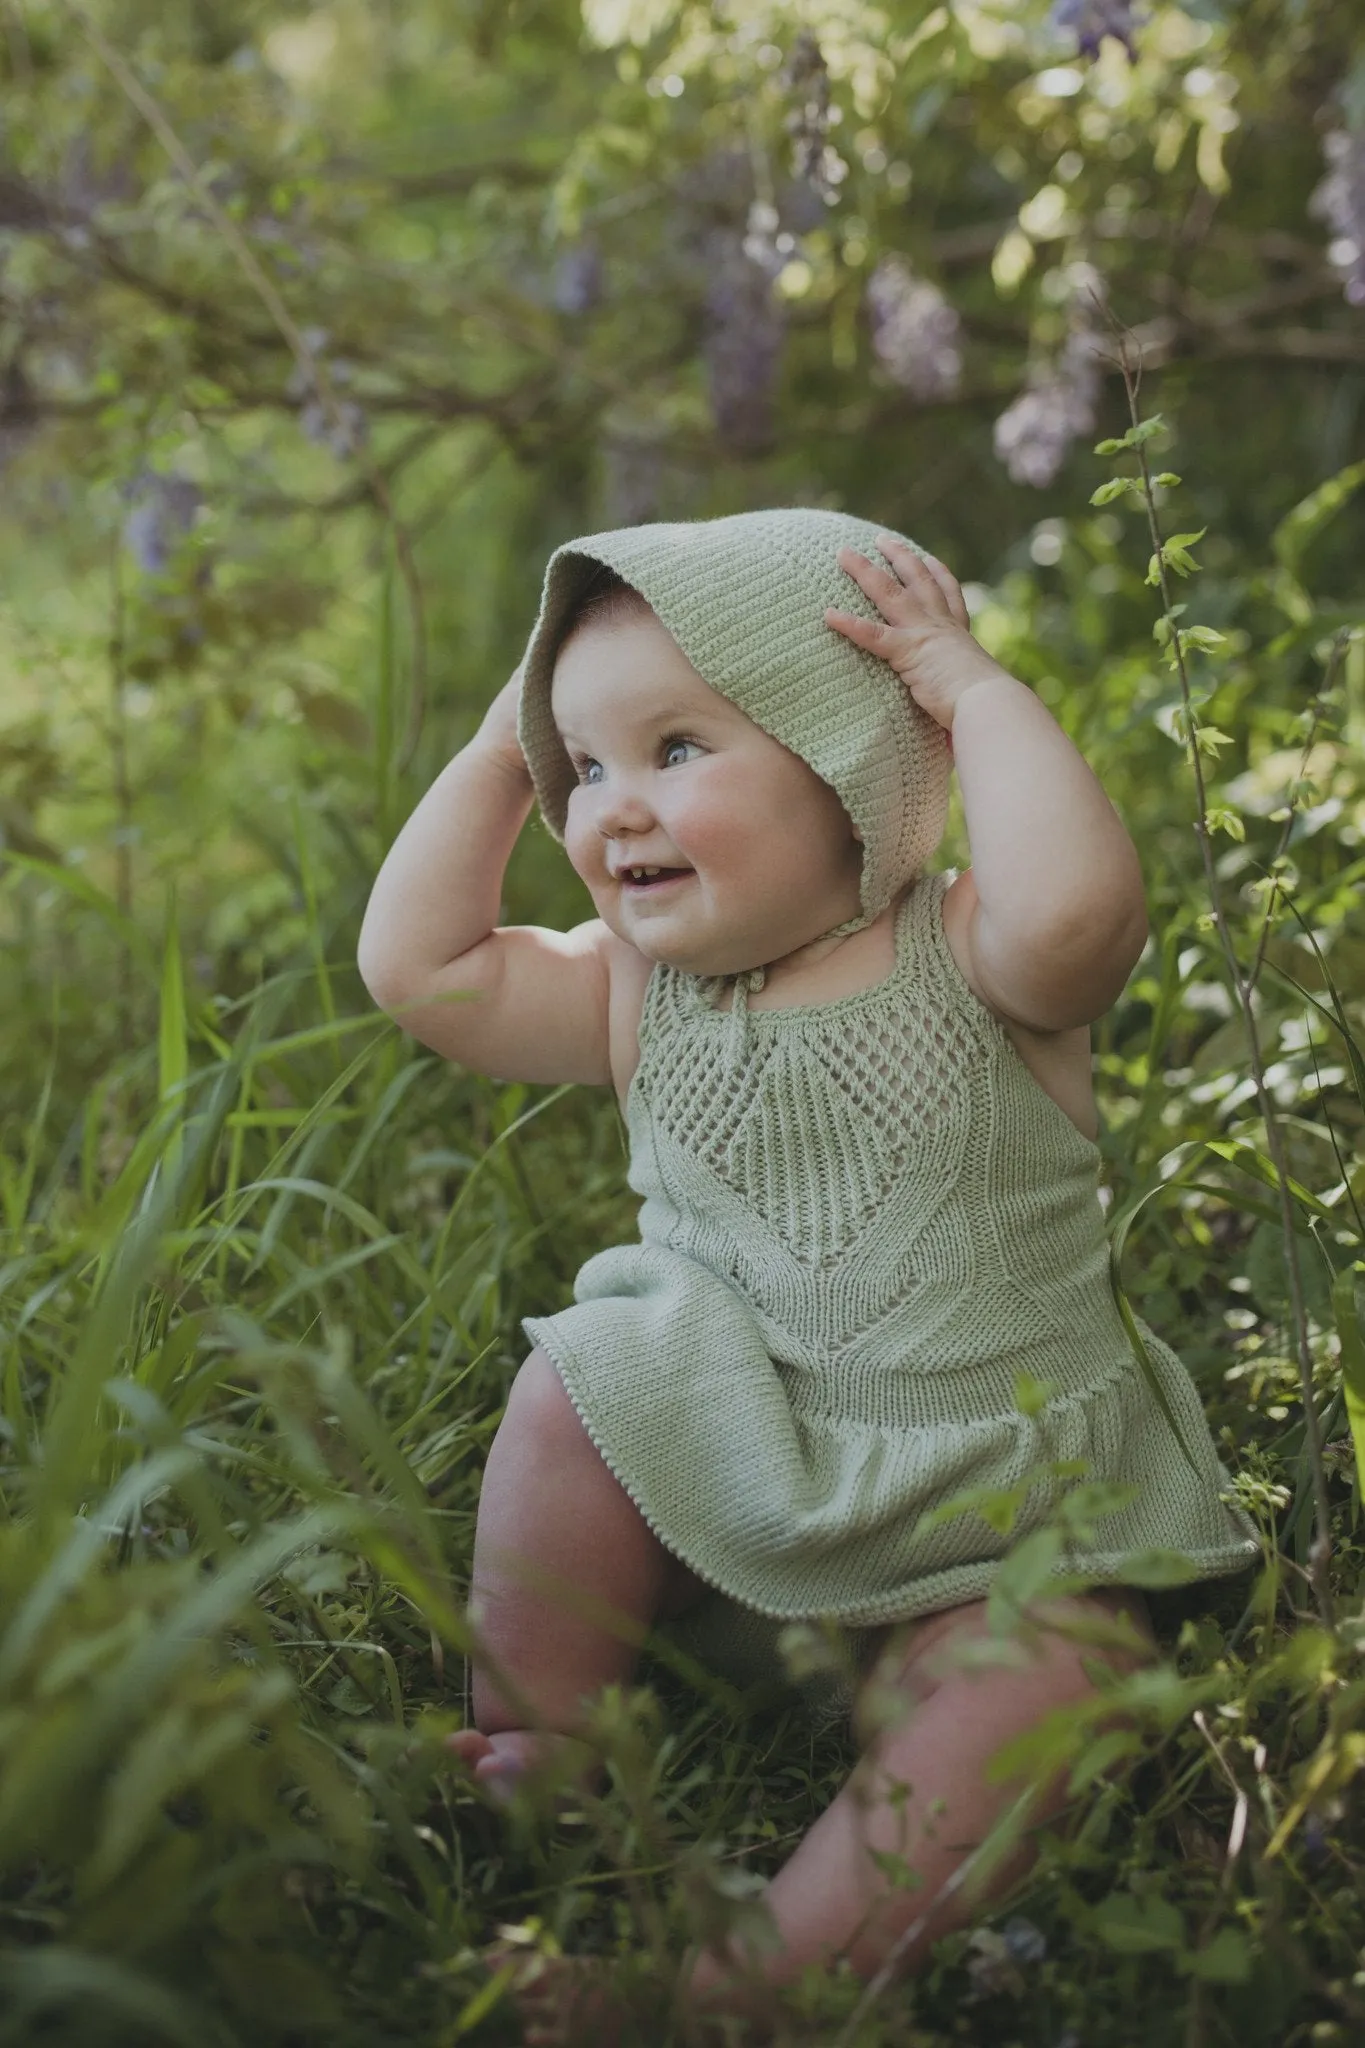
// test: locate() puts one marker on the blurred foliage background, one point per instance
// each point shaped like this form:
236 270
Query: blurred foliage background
320 327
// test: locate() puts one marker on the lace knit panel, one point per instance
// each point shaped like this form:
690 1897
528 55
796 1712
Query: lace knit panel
816 1128
812 1175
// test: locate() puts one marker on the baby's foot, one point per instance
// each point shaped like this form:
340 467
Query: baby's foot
499 1763
562 2001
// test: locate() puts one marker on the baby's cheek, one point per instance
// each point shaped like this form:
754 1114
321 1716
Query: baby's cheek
582 845
717 823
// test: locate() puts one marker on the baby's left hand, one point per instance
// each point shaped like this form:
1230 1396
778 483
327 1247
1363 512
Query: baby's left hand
923 632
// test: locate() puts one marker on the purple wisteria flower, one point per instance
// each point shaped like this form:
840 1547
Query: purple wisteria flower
632 480
1340 201
1033 435
914 331
577 284
341 424
742 348
164 508
815 161
1093 20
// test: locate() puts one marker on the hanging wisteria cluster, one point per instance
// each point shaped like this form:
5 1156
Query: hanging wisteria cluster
1059 401
1340 201
163 509
576 286
632 479
914 331
815 161
1093 20
742 344
745 321
341 425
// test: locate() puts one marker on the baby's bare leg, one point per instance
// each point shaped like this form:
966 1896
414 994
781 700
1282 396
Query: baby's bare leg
831 1898
567 1576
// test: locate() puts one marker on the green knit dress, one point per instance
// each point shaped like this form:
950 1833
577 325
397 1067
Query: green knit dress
861 1220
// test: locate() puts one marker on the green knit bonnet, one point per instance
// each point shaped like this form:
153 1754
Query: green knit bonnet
745 598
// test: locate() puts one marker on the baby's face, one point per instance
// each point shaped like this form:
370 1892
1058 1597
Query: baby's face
672 775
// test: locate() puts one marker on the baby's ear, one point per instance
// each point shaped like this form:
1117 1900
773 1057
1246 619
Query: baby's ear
857 835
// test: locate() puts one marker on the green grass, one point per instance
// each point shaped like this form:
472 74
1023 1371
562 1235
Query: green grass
261 1285
260 1308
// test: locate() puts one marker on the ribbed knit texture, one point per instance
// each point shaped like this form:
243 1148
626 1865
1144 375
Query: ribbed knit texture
850 1243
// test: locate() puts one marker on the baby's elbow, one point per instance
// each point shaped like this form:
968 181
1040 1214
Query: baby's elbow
384 982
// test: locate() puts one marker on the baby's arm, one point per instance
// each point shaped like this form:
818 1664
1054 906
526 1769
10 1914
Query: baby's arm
1061 917
1058 917
517 1002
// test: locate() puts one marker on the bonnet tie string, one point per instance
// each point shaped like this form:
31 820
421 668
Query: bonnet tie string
747 982
741 1035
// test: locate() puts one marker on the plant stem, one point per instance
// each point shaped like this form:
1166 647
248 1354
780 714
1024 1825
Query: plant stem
123 789
1320 1554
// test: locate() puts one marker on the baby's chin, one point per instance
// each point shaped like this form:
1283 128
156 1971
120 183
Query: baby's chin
669 949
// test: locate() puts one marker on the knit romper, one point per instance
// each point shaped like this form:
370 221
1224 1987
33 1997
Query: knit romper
861 1221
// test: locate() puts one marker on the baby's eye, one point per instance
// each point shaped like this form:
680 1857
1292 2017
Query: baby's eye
676 739
583 766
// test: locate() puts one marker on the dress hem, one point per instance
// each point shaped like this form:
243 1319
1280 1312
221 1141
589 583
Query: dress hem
951 1586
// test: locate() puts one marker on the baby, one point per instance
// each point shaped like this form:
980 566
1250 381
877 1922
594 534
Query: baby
862 1126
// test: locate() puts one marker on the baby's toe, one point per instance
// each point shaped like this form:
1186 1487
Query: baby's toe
470 1747
500 1763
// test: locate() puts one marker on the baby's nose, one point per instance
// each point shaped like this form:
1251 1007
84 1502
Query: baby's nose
622 810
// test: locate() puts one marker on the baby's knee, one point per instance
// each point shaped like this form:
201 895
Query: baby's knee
539 1407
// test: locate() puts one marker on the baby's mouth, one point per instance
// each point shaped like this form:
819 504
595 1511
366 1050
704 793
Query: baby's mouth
639 880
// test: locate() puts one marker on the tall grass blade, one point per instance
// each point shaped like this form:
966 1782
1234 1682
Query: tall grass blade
72 1432
1347 1311
1135 1338
88 1539
386 710
90 897
173 1045
1303 522
44 1983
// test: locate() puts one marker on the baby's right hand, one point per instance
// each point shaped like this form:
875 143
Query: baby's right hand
498 732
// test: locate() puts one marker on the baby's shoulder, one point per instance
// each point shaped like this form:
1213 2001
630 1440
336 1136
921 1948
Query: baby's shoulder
628 973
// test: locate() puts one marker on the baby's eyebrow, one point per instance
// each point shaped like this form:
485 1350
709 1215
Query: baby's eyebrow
682 714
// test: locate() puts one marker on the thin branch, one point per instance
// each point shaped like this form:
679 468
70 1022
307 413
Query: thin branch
309 362
1321 1552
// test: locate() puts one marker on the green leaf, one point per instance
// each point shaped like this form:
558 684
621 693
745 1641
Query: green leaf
1130 1324
1115 488
1226 1960
1023 1574
1139 1926
1175 552
1134 438
1031 1396
173 1046
89 897
1209 739
1221 819
1237 1153
1202 636
997 1505
1306 520
1100 1755
1347 1312
1158 1568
